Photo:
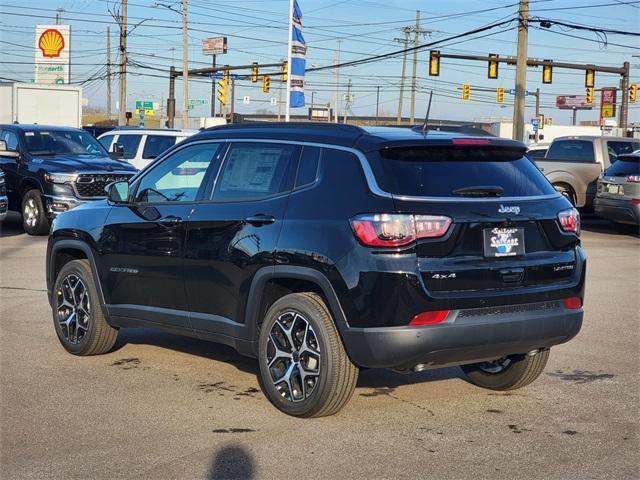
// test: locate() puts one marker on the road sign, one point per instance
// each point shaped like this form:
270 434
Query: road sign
138 105
214 46
148 111
220 74
512 91
246 99
148 105
274 101
197 102
535 122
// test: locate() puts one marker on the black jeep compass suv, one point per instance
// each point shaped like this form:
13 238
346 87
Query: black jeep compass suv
321 249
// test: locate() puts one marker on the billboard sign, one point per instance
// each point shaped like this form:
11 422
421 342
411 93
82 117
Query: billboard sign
214 46
608 102
572 102
52 59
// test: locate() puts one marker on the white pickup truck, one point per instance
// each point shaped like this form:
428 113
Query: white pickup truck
573 164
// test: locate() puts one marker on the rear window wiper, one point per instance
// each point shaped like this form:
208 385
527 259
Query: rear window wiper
479 191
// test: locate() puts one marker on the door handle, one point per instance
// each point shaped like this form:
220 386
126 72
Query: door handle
260 219
171 220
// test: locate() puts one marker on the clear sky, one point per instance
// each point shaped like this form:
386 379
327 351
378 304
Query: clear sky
257 32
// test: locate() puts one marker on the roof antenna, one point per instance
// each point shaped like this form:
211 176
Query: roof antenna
426 118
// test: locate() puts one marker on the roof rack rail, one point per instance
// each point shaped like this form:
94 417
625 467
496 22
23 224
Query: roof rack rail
310 125
463 128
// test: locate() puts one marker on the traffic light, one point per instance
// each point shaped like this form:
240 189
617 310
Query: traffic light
254 72
589 98
547 73
466 91
434 63
285 70
222 89
633 92
266 83
492 72
500 95
589 78
541 122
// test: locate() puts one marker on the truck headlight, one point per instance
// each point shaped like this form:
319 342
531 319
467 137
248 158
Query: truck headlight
60 177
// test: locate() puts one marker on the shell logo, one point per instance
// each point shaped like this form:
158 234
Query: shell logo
51 43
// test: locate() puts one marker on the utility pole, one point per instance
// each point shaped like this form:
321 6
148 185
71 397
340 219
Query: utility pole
416 44
337 72
122 104
521 70
279 101
537 136
59 12
624 106
185 67
109 74
347 102
406 31
377 102
233 99
213 89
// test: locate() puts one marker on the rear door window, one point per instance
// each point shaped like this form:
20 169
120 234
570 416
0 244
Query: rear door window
130 144
571 151
438 171
156 144
256 170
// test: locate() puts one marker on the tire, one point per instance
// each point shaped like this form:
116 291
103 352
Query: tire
317 352
34 216
519 371
77 314
566 191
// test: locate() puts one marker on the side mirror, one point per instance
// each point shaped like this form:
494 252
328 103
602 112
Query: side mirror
7 153
117 151
118 192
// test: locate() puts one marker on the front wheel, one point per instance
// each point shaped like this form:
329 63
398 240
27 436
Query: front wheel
304 369
77 314
507 373
34 217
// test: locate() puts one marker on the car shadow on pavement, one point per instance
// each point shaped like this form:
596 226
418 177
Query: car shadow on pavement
232 462
192 346
383 378
11 226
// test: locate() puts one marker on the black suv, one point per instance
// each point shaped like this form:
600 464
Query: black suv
50 170
322 249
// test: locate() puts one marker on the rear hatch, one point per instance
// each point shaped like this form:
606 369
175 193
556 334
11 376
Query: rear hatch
621 181
505 233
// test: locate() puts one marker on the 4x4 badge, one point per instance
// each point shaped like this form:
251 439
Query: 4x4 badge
509 209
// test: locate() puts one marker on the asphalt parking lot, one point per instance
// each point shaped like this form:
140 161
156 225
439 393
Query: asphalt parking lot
161 406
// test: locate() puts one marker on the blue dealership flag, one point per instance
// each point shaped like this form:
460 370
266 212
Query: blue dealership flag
297 58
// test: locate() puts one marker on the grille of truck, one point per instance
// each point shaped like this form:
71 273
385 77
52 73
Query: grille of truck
92 185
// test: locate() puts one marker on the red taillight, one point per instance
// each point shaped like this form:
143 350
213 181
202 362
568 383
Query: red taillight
573 303
471 141
397 230
635 201
570 220
632 178
429 318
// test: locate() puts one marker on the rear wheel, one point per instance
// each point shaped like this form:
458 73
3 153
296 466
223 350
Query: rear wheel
567 191
34 217
77 316
304 369
507 373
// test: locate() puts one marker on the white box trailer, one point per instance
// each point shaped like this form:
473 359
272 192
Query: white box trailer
59 105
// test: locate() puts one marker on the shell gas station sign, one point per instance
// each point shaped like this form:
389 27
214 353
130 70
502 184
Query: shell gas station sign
52 59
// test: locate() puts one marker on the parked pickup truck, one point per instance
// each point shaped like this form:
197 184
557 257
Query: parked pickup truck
573 164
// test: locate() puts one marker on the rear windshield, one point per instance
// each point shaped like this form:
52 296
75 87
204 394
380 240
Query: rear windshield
438 171
623 168
571 151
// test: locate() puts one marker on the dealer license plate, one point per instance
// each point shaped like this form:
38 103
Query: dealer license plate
503 242
615 189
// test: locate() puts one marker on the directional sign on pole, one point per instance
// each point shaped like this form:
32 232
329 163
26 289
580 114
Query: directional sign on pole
274 101
512 91
246 100
535 122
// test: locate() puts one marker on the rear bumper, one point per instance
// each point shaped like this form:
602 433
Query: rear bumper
619 210
464 338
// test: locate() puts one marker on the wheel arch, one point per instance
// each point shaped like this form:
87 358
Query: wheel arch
271 283
29 184
63 251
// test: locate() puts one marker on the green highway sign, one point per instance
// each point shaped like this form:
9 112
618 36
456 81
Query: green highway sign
197 102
